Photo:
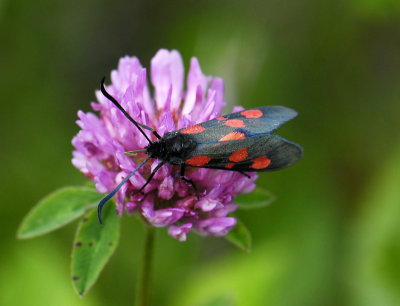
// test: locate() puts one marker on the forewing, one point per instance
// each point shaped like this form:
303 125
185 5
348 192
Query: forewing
260 120
240 125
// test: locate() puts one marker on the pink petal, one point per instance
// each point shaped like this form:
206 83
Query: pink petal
195 79
166 71
179 232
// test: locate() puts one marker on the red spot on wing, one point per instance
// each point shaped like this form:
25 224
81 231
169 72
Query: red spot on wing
235 123
252 113
221 118
194 129
260 162
238 155
198 161
233 136
229 166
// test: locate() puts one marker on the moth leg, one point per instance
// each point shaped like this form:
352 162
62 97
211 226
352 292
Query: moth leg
183 178
245 174
150 177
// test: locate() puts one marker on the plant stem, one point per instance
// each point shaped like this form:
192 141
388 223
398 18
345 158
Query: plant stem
143 293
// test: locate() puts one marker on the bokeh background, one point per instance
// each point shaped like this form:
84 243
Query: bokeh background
332 237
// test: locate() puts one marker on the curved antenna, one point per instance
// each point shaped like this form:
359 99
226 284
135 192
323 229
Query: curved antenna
115 102
111 194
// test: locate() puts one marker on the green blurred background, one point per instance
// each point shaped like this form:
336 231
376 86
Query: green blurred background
332 237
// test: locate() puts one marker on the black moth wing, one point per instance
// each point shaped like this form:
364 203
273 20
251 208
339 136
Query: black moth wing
276 150
271 119
242 141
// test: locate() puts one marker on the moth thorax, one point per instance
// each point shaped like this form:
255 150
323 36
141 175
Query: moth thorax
172 147
156 149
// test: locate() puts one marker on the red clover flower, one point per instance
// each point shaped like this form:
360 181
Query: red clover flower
166 200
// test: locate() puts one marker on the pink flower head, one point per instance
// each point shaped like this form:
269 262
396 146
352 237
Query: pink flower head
166 200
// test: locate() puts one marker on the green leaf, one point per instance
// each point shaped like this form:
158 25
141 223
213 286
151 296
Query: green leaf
257 199
240 236
58 209
93 246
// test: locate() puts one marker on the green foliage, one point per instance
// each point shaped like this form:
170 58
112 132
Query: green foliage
58 209
336 63
257 199
240 236
40 267
93 246
374 263
241 279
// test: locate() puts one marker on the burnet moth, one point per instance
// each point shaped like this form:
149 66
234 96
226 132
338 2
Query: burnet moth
241 142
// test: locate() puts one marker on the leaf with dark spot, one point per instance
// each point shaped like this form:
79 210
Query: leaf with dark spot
89 259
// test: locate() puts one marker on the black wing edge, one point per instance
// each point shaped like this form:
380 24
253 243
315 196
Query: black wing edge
285 153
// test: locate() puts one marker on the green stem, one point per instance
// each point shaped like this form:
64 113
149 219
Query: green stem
143 294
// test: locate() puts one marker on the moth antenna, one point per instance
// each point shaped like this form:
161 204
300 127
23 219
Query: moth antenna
115 102
112 193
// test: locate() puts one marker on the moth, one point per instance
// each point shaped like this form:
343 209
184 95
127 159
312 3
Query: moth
241 141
